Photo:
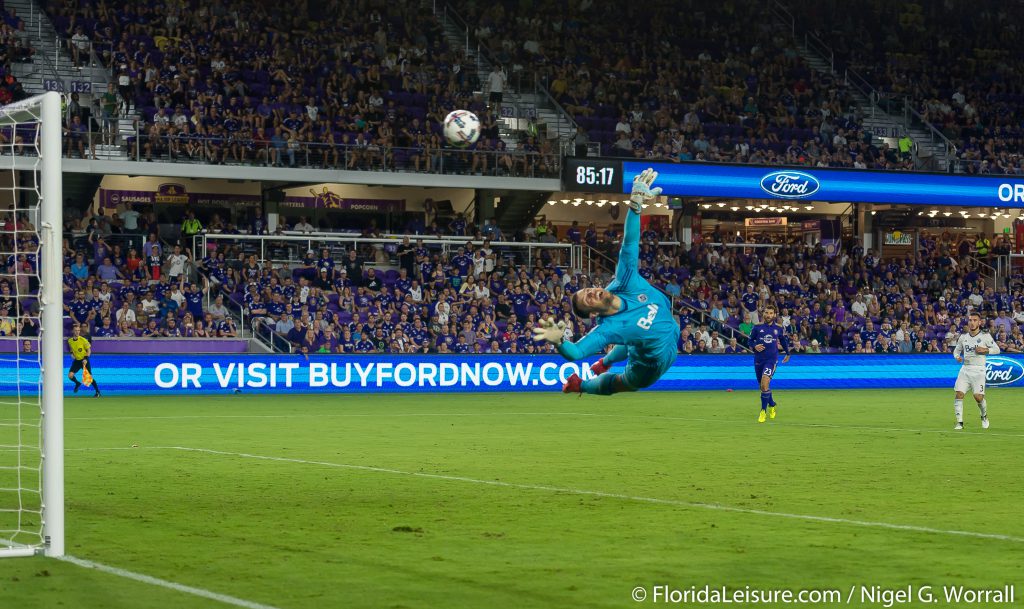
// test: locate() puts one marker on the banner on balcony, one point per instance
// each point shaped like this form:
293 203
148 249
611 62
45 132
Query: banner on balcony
173 194
325 199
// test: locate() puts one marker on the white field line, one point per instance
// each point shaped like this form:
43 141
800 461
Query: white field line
573 491
163 583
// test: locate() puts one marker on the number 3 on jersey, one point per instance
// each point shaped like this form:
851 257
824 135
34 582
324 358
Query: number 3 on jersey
645 322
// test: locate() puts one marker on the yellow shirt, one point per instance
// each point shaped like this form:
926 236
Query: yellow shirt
79 347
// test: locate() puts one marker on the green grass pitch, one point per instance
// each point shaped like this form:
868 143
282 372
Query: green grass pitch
528 500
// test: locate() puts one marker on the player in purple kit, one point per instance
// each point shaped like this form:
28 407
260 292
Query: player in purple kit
766 339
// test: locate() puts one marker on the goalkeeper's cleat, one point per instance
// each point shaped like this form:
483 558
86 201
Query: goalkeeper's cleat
984 422
573 385
599 367
761 418
771 412
959 426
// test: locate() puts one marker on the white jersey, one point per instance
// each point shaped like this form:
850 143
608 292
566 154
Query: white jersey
967 345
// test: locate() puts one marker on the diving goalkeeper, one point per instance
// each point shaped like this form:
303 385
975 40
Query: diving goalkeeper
633 315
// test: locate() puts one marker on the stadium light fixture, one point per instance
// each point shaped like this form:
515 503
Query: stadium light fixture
873 212
552 202
720 204
565 200
808 207
589 202
734 208
706 206
947 213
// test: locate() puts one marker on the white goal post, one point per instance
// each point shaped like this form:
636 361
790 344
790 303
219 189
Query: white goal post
32 377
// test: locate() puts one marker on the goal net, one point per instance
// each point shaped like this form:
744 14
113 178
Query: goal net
31 329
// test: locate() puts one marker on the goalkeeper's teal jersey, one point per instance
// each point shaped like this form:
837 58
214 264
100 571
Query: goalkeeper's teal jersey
644 323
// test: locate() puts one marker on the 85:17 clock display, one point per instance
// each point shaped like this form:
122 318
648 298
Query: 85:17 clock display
593 175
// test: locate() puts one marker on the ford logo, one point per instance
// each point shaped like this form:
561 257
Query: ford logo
790 184
1002 371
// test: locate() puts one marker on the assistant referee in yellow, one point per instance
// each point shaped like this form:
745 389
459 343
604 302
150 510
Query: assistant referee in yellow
80 348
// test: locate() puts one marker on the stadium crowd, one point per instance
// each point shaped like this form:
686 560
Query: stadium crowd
964 73
478 300
224 82
482 299
232 82
723 84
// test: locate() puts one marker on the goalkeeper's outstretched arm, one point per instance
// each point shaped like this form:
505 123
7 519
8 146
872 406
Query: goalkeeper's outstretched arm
554 333
629 251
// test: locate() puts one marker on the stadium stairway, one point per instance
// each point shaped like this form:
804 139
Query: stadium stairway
79 187
517 208
550 119
887 128
52 60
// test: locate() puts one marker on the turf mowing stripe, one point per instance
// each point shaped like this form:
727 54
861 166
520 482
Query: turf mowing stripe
744 422
572 491
163 583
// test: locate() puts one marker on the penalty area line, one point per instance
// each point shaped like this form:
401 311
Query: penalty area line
163 583
636 498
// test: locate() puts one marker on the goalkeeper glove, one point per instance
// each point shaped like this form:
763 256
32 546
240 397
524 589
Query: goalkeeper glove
642 191
550 331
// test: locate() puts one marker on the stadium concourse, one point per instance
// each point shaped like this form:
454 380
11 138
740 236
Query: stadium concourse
483 299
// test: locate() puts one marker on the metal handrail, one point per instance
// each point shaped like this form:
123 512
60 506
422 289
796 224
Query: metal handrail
270 338
591 252
52 68
446 159
783 14
201 241
951 148
810 40
705 318
986 270
858 82
560 112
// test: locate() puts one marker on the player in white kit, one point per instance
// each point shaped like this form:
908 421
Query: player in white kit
971 349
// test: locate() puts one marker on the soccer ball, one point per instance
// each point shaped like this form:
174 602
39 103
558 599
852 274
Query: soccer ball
461 128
